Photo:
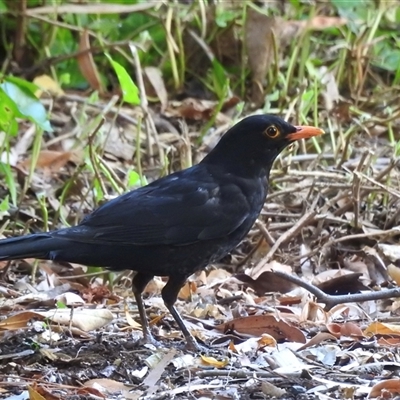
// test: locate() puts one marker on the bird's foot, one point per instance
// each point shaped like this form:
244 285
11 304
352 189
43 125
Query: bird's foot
148 338
193 346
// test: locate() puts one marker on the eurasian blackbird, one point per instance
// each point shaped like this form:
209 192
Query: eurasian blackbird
177 224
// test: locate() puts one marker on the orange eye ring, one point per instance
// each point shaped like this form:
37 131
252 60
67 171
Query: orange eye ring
272 132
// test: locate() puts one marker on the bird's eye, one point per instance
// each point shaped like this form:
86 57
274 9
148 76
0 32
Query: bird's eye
272 131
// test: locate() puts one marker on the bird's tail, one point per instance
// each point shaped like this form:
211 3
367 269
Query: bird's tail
30 246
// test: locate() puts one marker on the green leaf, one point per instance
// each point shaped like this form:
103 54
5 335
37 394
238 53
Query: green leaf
4 205
26 103
5 169
8 113
23 84
65 78
386 56
60 305
221 81
3 7
354 10
129 90
133 178
98 191
225 16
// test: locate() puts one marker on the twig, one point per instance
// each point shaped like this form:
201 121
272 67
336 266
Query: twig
304 220
237 374
335 176
331 301
378 235
393 163
89 9
364 191
250 254
291 190
393 192
381 234
264 231
356 186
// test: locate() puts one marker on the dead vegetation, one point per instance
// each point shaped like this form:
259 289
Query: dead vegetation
331 217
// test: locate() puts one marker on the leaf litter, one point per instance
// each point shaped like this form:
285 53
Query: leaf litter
335 224
254 330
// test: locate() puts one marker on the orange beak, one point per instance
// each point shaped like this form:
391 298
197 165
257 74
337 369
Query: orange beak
304 132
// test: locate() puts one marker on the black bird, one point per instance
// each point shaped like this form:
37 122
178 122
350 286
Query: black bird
178 224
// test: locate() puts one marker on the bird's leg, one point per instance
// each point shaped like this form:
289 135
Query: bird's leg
169 294
138 285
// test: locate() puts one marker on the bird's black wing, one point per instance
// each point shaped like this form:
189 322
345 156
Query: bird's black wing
182 208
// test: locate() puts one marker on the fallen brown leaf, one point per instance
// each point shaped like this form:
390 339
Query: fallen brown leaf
388 385
257 325
345 284
267 282
19 320
318 339
49 160
199 110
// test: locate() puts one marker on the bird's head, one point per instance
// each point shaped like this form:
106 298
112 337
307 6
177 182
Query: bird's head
253 143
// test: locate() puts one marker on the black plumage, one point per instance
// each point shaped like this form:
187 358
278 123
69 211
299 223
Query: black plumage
178 224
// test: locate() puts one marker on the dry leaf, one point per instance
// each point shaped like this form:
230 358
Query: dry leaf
341 285
388 341
391 251
109 385
263 266
260 50
19 320
288 29
267 282
216 277
53 161
267 341
48 84
119 143
213 362
313 312
187 291
286 361
350 329
199 110
84 319
320 22
318 339
87 65
132 323
394 273
388 385
70 299
257 325
157 370
155 78
34 395
331 93
334 329
252 345
378 328
271 390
